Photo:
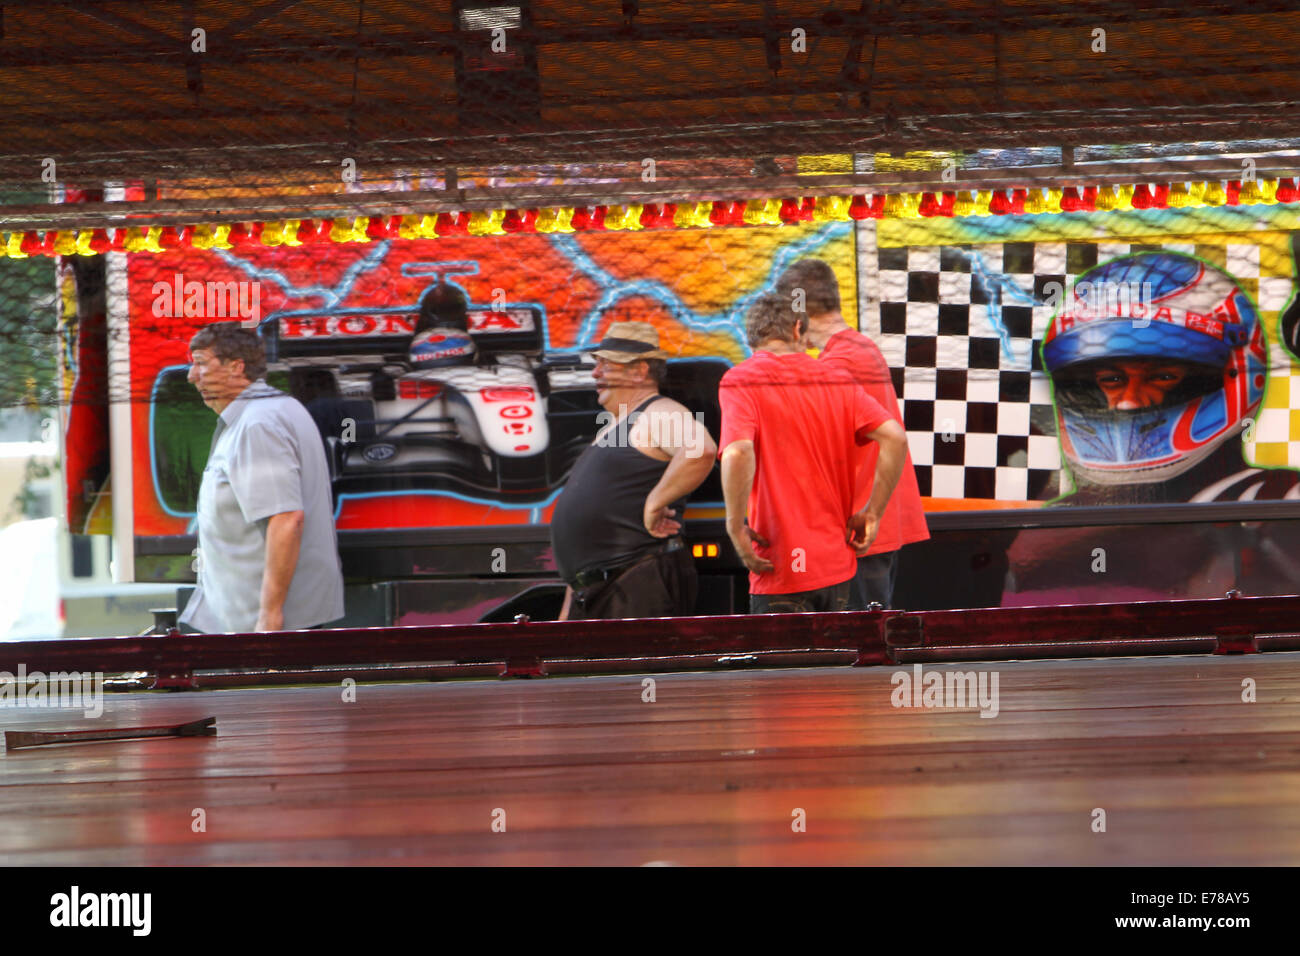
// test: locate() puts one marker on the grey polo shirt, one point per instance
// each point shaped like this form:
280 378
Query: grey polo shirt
266 459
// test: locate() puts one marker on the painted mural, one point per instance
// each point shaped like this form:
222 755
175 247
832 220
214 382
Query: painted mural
1107 358
487 439
1133 359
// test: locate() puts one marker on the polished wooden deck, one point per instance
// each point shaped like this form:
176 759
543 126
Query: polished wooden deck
709 773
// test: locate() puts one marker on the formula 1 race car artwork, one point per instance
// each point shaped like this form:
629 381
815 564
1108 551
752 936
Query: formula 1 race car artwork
442 394
452 386
437 394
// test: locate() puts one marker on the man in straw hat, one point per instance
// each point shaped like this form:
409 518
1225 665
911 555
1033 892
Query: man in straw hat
615 528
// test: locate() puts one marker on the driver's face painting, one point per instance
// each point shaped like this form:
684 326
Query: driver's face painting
1138 383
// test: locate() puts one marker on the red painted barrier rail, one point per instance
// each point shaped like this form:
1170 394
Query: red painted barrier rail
1232 624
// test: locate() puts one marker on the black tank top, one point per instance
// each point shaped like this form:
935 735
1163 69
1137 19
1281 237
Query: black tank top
597 520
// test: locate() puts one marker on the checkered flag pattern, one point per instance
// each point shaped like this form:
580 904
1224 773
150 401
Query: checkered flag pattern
958 326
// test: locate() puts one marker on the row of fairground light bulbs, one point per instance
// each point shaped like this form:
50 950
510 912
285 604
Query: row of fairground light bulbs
753 212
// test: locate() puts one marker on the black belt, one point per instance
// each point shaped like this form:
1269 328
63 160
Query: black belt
593 576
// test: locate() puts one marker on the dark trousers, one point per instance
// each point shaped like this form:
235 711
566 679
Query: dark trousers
660 585
834 597
874 581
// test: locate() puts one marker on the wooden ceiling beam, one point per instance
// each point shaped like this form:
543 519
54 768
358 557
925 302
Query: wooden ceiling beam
992 20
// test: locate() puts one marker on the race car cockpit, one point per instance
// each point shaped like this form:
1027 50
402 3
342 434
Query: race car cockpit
441 395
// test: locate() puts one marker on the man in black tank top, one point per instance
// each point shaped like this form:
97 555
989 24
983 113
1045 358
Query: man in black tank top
615 528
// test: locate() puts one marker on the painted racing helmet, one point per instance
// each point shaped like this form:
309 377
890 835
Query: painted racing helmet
442 346
1155 359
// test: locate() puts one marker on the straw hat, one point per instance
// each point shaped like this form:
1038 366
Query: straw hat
629 342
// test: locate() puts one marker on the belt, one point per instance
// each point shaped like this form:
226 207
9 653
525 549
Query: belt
591 576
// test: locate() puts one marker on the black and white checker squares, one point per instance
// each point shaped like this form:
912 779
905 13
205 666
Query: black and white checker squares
960 327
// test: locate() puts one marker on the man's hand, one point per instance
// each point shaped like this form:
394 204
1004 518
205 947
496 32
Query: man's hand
659 520
270 620
744 545
863 529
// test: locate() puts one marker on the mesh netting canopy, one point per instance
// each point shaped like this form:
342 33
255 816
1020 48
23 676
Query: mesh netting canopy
156 89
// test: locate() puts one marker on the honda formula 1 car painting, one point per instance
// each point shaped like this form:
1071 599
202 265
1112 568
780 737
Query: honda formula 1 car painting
443 394
437 394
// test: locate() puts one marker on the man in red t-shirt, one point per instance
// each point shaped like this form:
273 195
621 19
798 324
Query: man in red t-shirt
794 436
812 283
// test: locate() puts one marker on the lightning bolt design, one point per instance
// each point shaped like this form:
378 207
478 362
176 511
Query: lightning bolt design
731 319
330 297
995 286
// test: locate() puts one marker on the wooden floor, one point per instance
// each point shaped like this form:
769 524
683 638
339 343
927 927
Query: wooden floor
711 772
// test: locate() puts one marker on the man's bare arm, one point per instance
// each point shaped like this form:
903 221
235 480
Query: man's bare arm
693 451
864 525
738 466
283 543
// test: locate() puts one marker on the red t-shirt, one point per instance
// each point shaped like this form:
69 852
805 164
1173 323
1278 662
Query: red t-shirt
808 423
904 519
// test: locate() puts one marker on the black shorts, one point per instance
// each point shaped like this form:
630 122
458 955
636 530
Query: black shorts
659 585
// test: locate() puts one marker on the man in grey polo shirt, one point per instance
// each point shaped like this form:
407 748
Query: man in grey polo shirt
268 554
